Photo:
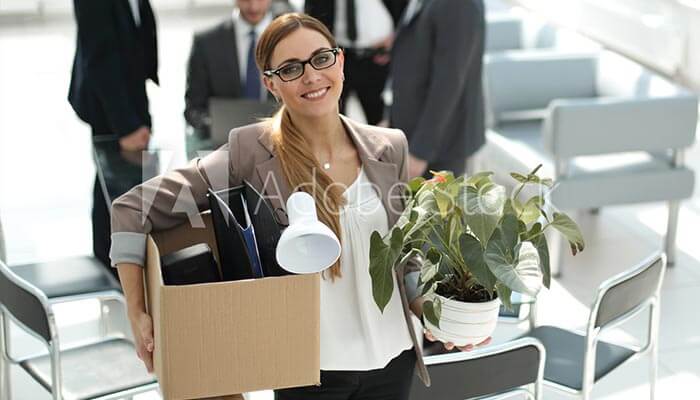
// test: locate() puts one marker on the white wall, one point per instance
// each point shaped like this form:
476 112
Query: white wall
663 34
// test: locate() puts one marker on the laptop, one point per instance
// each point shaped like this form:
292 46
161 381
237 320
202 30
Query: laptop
227 113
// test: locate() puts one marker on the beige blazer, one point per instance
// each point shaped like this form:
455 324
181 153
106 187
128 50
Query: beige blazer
170 199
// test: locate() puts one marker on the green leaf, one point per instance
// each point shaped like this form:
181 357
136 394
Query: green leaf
482 209
382 258
432 310
567 227
415 184
540 243
532 178
531 209
509 229
515 266
430 266
509 207
519 177
479 179
444 202
473 255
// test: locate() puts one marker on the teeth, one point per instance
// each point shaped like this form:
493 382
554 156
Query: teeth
316 94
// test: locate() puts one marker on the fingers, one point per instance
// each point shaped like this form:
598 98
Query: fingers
429 336
468 347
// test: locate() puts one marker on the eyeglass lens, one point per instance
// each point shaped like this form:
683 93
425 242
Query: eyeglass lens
322 60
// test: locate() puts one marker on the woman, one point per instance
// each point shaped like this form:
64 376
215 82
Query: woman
353 171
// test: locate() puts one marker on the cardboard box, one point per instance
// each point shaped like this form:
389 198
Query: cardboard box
225 338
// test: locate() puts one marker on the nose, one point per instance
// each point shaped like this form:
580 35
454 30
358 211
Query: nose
311 75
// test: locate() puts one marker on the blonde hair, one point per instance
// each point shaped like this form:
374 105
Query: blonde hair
298 163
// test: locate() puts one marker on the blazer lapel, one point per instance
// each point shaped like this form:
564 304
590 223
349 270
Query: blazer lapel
384 174
273 184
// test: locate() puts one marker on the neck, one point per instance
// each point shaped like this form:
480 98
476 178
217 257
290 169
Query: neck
322 133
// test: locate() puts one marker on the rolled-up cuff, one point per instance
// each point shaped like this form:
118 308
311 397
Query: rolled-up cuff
412 286
128 247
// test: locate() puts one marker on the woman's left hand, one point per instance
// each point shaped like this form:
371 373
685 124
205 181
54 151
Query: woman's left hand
450 345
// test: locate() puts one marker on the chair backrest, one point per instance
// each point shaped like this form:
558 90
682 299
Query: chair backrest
525 81
26 303
491 370
622 295
503 32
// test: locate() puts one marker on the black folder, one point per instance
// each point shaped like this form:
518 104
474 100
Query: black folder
231 209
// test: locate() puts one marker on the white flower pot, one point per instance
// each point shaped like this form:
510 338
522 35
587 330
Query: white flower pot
465 323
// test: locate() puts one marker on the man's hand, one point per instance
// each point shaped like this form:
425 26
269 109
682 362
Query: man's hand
136 140
416 166
384 57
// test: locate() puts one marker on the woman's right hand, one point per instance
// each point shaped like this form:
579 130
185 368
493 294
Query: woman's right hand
142 326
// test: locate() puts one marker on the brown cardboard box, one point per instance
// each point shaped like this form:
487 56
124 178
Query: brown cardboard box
225 338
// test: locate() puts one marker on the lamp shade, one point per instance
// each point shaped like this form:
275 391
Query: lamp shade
307 246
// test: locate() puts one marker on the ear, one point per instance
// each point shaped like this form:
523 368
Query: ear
270 85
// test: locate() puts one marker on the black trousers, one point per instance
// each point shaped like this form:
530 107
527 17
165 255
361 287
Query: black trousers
392 382
367 80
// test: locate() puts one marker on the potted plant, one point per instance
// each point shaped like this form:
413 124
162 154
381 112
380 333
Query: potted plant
478 245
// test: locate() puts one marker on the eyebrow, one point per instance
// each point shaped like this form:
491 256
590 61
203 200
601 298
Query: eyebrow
291 60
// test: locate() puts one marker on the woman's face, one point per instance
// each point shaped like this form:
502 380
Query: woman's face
315 93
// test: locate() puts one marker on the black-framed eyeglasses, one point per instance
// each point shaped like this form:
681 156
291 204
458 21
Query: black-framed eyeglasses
294 70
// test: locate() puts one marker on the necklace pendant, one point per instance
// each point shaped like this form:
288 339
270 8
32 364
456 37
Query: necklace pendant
326 166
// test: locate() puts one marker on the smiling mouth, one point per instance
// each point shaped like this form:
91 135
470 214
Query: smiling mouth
316 94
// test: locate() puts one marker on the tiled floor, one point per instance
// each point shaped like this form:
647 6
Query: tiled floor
46 175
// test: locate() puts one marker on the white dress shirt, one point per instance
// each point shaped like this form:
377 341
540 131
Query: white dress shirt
373 21
243 29
355 334
134 4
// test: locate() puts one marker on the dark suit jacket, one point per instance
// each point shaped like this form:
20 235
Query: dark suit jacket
113 60
436 72
212 71
324 10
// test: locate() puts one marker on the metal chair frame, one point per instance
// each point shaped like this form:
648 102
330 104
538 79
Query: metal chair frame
593 333
52 345
534 394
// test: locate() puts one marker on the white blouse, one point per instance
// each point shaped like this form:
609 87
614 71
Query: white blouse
355 335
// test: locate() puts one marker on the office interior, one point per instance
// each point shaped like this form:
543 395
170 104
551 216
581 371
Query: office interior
47 166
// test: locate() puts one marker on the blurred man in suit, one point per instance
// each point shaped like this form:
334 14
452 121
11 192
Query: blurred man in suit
116 53
365 31
222 60
436 83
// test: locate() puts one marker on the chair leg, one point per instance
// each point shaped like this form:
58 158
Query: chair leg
5 389
674 207
654 350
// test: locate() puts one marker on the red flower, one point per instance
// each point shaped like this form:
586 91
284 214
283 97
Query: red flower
438 179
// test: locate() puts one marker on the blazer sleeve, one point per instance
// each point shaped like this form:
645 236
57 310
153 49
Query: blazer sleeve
457 31
197 91
99 44
169 200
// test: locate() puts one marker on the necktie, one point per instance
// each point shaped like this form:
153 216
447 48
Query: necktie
252 79
351 20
